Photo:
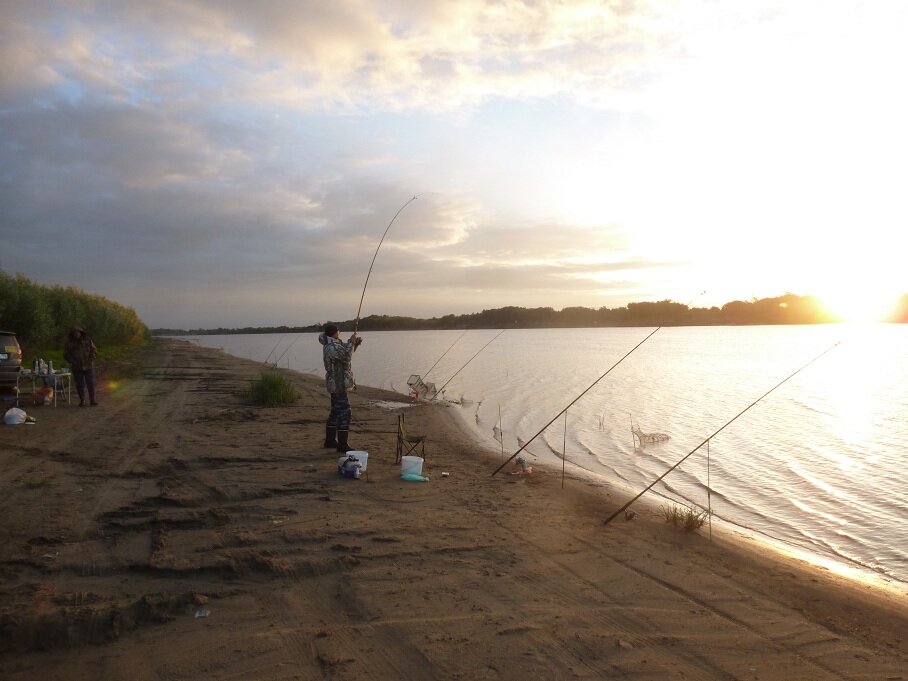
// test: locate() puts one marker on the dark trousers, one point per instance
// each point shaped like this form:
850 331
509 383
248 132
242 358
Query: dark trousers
85 378
341 414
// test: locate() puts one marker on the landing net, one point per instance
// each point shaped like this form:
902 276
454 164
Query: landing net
419 388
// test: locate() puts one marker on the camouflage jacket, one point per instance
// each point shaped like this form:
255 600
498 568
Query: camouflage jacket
338 357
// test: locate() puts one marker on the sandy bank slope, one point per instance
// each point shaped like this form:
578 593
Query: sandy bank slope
121 522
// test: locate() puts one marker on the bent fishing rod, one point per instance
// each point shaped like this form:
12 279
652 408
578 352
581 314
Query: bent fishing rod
727 423
574 401
438 392
372 264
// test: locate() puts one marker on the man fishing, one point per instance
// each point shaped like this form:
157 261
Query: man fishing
338 358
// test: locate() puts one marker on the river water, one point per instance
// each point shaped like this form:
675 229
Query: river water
817 466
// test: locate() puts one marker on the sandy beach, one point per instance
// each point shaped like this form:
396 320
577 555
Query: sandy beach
175 532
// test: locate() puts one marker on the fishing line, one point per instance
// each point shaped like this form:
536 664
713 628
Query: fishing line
706 441
574 401
438 392
372 264
286 349
359 311
586 391
500 431
709 495
443 354
564 450
273 349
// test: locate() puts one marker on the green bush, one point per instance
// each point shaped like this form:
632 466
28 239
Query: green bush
271 389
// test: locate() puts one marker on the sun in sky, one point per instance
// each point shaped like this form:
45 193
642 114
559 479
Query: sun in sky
859 304
222 158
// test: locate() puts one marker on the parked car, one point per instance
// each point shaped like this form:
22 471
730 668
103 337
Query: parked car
10 359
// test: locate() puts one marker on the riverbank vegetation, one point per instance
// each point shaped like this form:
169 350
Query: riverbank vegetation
270 389
41 316
786 309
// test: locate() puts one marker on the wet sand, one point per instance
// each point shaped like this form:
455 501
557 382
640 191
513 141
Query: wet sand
173 499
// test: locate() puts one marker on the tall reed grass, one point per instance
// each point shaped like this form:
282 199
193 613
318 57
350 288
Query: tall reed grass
271 389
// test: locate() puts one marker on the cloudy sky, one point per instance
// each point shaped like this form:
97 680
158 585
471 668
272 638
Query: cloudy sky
235 163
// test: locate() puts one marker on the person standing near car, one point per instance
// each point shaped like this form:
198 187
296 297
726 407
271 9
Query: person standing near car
338 357
80 352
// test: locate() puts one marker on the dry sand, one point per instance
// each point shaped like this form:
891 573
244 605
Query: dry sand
121 522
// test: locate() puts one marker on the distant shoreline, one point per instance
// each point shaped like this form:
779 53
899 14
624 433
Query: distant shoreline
789 309
317 328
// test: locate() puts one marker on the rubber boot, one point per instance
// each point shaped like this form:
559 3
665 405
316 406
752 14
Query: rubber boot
342 445
330 437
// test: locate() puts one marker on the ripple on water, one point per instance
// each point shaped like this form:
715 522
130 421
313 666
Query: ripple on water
833 437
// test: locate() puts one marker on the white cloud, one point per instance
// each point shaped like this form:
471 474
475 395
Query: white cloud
345 55
564 151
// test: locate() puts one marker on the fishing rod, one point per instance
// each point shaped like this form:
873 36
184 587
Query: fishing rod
287 348
360 309
372 264
444 353
273 349
574 401
586 391
438 392
706 441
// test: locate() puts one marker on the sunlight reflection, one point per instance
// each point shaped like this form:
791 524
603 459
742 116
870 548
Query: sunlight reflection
852 383
844 462
817 482
815 512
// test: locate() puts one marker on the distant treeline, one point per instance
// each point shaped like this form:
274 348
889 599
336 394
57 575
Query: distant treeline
41 316
786 309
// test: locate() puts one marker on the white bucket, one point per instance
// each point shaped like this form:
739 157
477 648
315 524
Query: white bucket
362 457
411 464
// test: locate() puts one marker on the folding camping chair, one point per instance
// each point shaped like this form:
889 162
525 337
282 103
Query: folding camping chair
407 444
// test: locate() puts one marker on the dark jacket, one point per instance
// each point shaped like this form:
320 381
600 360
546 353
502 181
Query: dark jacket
79 352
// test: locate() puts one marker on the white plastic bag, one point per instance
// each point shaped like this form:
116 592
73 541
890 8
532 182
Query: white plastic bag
14 417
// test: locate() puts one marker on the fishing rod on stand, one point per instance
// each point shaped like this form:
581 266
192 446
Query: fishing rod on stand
443 354
287 349
574 401
438 392
724 426
265 363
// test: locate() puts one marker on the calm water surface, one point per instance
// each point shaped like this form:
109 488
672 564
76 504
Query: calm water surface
817 465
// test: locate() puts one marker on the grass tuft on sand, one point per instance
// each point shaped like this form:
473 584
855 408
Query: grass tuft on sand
683 517
270 389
